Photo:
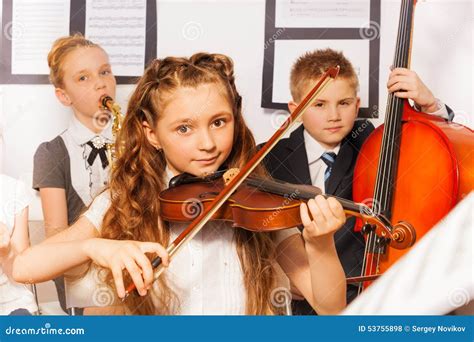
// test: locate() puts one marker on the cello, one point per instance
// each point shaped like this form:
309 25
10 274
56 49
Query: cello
415 167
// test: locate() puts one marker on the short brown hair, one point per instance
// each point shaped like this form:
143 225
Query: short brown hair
60 49
312 65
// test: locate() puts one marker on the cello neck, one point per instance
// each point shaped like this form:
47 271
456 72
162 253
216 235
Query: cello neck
390 148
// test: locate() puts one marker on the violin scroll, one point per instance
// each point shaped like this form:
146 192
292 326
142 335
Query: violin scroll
403 235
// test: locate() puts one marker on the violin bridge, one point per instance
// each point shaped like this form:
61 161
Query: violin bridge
230 174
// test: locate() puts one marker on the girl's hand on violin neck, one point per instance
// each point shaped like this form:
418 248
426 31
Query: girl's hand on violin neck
406 84
328 216
118 255
4 240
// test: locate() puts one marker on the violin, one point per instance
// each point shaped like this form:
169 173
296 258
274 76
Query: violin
262 205
220 199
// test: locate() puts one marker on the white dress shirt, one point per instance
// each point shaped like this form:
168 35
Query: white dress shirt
87 180
317 167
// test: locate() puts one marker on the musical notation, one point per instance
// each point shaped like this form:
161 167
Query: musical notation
119 26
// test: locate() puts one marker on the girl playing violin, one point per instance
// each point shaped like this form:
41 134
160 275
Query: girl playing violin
185 115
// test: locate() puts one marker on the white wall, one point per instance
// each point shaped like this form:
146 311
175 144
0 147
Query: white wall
442 55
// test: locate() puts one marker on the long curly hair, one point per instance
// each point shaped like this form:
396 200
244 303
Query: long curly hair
139 171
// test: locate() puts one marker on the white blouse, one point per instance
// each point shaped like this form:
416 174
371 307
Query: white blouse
14 197
206 273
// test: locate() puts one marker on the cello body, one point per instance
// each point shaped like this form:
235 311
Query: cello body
435 171
412 169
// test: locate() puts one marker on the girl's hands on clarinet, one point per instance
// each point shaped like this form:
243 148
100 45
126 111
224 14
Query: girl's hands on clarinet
119 255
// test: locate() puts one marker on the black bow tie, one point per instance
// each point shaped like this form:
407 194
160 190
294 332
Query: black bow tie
101 151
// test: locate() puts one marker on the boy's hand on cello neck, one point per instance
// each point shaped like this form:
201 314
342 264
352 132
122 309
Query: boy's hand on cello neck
119 255
406 84
328 216
4 240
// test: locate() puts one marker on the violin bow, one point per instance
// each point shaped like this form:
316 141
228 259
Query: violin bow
198 223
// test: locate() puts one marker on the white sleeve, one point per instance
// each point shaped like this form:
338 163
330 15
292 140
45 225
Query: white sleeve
441 110
23 197
14 197
95 213
281 235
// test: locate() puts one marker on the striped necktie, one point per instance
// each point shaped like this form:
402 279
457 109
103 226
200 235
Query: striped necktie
328 158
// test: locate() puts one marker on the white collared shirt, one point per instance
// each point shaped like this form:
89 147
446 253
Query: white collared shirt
87 180
317 167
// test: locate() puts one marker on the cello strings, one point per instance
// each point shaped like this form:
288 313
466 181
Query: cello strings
380 199
393 115
386 148
392 129
394 119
